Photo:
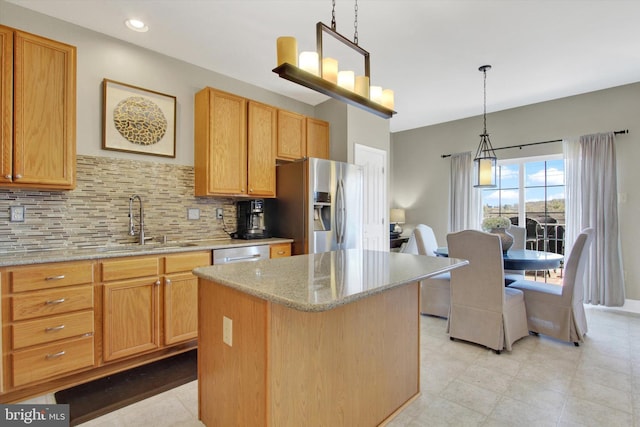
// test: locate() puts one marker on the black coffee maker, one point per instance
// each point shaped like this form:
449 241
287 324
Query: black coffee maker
251 221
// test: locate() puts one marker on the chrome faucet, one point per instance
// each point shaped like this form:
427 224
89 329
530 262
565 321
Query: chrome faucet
132 228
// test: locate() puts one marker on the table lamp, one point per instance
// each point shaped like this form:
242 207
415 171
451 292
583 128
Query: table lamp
397 217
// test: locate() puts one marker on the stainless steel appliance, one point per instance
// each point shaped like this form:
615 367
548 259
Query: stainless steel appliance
318 205
251 220
242 254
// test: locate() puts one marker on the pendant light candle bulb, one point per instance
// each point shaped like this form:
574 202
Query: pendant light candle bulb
309 62
375 93
362 86
388 98
330 70
287 47
346 79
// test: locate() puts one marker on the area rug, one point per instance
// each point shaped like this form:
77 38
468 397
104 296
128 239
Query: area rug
99 397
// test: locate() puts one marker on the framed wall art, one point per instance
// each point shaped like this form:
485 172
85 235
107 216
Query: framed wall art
138 120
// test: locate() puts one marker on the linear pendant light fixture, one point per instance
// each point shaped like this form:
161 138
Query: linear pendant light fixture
484 164
321 74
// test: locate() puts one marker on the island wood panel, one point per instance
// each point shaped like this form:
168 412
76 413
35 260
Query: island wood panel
232 388
353 365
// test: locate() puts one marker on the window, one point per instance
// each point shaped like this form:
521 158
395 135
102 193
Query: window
531 192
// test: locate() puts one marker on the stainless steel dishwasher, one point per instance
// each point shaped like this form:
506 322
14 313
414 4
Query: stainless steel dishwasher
240 254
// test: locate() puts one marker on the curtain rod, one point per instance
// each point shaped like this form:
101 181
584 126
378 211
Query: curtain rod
618 132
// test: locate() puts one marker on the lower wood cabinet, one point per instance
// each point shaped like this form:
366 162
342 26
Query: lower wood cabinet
146 312
68 322
47 322
181 296
279 250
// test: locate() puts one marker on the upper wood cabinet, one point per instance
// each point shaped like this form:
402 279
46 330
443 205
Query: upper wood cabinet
234 146
292 135
317 138
37 111
262 131
220 160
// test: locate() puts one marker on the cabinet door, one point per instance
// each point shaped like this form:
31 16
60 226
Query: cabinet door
292 134
220 143
261 166
280 250
130 317
317 138
45 113
180 308
6 104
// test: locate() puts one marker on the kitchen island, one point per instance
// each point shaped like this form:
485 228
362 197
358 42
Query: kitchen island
323 339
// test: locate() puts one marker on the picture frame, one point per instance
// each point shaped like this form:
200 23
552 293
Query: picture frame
137 120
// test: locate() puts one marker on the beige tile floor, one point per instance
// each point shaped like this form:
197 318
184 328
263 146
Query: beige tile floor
542 382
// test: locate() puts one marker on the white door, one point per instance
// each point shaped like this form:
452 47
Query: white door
375 230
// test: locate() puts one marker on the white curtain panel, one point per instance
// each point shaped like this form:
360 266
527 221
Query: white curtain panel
464 206
592 201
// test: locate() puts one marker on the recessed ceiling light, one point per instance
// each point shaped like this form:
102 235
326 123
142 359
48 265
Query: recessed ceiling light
136 25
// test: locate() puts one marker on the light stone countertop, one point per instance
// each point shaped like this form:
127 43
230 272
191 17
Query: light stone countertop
320 282
78 254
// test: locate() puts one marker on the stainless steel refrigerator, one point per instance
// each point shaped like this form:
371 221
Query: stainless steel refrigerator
318 204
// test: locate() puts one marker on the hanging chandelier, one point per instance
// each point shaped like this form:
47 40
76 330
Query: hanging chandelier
484 164
321 74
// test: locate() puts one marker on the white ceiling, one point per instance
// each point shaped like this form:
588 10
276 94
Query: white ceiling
427 51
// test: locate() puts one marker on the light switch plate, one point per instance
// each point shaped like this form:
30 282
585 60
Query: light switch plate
17 213
193 213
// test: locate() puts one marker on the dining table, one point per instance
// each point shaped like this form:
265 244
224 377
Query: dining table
522 259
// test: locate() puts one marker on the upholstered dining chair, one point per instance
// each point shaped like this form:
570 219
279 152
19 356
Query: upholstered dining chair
434 291
483 310
557 310
519 238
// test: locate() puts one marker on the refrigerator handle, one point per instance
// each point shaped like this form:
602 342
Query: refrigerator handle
340 214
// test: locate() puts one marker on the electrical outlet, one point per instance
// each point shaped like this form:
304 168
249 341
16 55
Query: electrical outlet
16 213
193 213
227 331
219 213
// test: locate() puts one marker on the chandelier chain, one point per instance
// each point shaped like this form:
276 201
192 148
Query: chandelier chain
355 24
333 15
485 100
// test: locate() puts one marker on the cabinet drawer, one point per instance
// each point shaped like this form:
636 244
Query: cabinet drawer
56 301
186 262
50 275
52 328
51 360
129 268
280 250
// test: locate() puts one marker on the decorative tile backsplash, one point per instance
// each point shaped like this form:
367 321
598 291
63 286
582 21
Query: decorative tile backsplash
97 211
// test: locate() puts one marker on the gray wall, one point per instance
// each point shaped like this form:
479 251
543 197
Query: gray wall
420 179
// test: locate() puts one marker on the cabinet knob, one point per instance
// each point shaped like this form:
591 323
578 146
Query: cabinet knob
167 281
18 176
7 176
158 282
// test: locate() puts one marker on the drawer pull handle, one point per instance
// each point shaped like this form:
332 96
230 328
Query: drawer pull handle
280 252
54 328
55 355
55 301
55 277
